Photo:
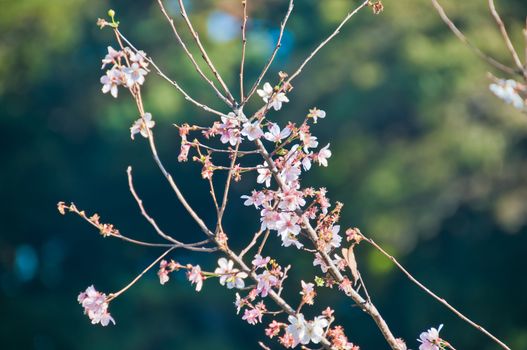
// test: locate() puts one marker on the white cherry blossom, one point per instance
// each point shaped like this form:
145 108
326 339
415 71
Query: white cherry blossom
252 130
142 125
134 74
230 275
430 339
266 92
322 156
110 81
275 134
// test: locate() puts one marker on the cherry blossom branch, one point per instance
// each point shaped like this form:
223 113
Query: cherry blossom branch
369 308
328 39
273 55
107 230
203 52
493 62
272 294
189 54
429 292
244 44
186 96
506 37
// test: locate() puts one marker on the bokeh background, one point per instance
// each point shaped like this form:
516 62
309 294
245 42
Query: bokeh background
425 159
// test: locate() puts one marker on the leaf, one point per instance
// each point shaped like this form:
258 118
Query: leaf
349 256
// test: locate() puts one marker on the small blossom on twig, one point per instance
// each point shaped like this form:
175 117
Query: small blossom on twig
430 339
95 306
195 276
308 293
508 91
316 113
142 125
229 275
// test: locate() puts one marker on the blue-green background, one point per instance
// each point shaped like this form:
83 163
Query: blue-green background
425 159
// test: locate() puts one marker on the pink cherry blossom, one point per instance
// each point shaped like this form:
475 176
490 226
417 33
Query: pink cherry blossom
183 152
269 219
252 130
264 175
256 198
259 262
95 306
430 339
195 276
265 281
111 57
110 81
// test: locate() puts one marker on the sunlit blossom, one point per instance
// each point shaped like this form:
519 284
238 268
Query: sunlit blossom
142 125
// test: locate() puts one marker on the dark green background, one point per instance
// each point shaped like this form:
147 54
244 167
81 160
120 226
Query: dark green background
425 159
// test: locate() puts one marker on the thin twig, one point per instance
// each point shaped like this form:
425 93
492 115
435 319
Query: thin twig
263 346
221 210
116 233
244 44
432 294
191 246
252 243
328 39
204 52
116 294
169 178
525 42
212 149
264 240
273 55
506 37
493 62
189 54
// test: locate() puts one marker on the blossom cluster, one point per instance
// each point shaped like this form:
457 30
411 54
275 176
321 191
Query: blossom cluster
95 306
127 68
511 92
430 339
268 275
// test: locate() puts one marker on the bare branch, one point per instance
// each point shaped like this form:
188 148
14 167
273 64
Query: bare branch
328 39
252 243
116 294
189 246
432 294
189 54
244 44
464 40
204 52
506 37
273 55
221 211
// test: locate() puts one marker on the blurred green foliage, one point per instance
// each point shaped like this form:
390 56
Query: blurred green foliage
425 159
